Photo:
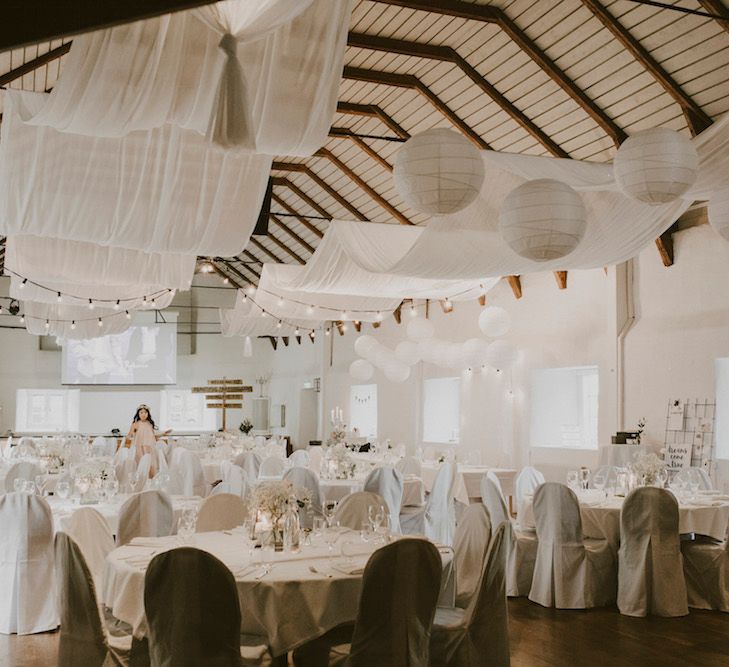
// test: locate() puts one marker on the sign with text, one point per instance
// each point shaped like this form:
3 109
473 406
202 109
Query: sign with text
678 456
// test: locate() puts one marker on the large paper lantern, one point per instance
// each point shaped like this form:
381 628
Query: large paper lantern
494 322
438 172
474 352
361 370
384 357
419 329
719 212
397 372
408 352
656 166
365 345
542 220
501 355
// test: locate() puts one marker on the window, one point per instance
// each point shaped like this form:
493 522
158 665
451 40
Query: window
47 410
722 408
363 409
181 410
564 407
441 410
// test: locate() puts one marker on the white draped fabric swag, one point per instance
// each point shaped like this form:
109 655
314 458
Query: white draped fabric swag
61 317
468 245
226 70
161 190
246 319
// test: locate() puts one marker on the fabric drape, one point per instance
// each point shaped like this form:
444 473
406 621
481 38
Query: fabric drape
72 322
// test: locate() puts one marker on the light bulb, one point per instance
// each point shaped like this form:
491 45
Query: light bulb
58 298
245 298
73 324
296 332
144 299
251 290
225 281
310 310
413 312
263 313
280 301
326 333
344 315
116 305
278 324
48 324
91 304
154 303
378 317
22 285
99 322
344 327
22 318
126 312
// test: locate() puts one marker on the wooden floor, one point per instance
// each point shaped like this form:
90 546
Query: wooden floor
538 637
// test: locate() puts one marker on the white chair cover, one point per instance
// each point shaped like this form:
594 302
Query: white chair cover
99 446
695 475
410 466
479 634
271 467
353 510
235 478
437 520
83 637
522 546
222 511
142 472
27 582
146 514
8 448
470 545
569 573
650 569
706 567
93 536
26 470
189 469
250 463
299 457
400 589
305 479
123 469
526 482
387 482
162 465
208 632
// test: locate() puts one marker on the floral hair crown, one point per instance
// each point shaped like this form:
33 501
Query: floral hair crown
143 406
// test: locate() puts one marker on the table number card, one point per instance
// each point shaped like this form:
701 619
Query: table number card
678 456
676 413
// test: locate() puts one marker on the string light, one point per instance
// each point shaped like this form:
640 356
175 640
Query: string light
73 324
154 302
116 305
22 318
413 312
91 304
326 332
245 298
344 327
100 323
225 280
126 312
280 302
296 333
144 299
278 324
58 298
344 315
378 316
310 310
22 285
48 324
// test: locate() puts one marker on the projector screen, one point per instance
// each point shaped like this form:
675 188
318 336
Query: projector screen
141 355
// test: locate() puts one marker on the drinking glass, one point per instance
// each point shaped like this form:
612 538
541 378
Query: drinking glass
40 482
133 480
317 526
330 508
63 490
29 487
694 486
584 475
18 484
572 479
379 517
330 537
348 550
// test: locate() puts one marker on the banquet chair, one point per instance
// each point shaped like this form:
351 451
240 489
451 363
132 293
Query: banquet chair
208 632
410 466
400 589
27 582
250 463
187 465
162 465
526 482
650 566
570 572
26 446
306 479
271 467
479 633
521 548
694 475
145 514
84 638
25 470
235 479
123 470
470 544
8 449
299 457
706 568
437 520
222 511
99 447
92 534
143 467
353 510
388 483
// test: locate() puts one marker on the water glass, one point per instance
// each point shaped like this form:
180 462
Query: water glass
40 482
330 508
349 550
331 535
584 478
63 490
572 479
317 526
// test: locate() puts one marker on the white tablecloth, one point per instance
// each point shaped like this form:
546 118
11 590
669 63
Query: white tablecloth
288 606
336 489
708 515
468 480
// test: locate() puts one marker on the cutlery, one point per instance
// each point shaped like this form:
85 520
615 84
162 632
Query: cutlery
315 571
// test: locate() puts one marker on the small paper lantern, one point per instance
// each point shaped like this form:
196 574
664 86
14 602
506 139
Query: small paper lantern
719 212
501 355
408 352
656 166
438 172
419 329
361 370
494 322
542 220
397 372
365 345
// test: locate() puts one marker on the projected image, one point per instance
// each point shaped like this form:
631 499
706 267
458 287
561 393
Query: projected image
140 355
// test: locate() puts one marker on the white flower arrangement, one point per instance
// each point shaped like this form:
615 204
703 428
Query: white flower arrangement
94 469
647 467
272 498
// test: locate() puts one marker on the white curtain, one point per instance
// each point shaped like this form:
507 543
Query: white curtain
159 190
227 70
61 318
49 261
468 245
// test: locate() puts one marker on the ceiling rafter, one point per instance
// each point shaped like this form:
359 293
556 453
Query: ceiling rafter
373 111
302 220
449 54
286 249
285 228
717 7
34 64
220 268
281 181
265 250
254 259
697 119
413 82
497 16
237 273
344 133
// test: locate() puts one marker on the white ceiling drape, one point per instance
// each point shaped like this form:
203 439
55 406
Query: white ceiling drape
169 70
72 322
246 319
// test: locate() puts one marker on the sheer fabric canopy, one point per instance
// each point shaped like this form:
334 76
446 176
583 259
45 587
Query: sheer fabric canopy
72 322
226 70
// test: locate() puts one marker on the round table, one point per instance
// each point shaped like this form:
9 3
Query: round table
303 596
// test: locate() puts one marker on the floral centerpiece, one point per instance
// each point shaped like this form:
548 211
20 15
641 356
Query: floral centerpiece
51 454
89 476
271 500
337 462
246 426
648 470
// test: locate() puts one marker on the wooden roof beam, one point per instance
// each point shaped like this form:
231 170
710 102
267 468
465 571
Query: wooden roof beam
515 284
411 81
373 111
345 133
696 118
287 230
285 248
561 278
286 183
363 185
289 209
717 7
31 65
496 15
449 54
237 273
265 250
220 269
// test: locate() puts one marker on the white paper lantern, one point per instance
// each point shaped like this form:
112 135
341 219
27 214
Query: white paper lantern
365 345
718 211
501 355
656 166
427 348
419 329
408 352
361 370
474 352
494 322
542 220
397 372
438 172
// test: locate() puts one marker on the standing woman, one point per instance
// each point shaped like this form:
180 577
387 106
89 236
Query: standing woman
141 435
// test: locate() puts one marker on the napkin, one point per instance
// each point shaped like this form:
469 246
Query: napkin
348 568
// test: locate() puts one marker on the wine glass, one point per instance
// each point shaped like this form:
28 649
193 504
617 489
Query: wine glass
348 550
40 482
63 490
330 537
380 516
573 479
598 483
133 481
330 509
18 484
